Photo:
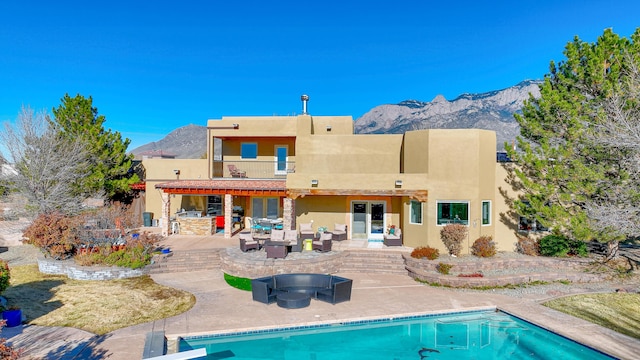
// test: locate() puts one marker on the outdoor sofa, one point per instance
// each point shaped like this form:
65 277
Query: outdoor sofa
329 288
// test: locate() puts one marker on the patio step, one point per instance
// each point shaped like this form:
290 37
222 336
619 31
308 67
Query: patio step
186 260
383 262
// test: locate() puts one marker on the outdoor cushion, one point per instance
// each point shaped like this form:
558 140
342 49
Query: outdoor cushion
306 227
340 227
277 235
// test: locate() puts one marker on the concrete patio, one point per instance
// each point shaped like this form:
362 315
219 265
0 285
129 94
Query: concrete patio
220 308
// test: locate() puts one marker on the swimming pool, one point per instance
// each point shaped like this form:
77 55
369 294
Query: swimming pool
463 335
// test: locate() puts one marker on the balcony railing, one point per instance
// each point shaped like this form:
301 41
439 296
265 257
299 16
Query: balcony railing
253 169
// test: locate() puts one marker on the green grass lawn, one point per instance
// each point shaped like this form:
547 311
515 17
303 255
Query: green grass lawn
616 311
95 306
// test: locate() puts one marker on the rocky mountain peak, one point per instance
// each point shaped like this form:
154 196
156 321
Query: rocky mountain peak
490 111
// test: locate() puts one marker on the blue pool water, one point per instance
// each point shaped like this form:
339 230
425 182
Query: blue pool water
466 335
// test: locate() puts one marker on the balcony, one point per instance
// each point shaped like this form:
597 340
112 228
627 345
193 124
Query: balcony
240 169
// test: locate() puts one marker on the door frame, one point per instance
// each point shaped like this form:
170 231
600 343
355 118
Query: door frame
368 220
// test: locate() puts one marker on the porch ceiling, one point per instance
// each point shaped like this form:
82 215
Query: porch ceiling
269 187
420 195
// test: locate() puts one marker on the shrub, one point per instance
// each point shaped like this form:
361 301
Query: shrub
452 236
484 247
527 246
54 234
425 252
7 352
473 275
560 246
5 276
444 268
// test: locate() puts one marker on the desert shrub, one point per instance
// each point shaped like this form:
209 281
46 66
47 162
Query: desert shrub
136 254
560 246
452 236
7 352
527 246
444 268
5 276
472 275
425 252
484 247
54 234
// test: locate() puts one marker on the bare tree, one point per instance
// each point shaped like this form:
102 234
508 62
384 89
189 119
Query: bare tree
618 131
46 164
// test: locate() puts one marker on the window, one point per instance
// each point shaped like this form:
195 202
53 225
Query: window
214 205
416 212
265 207
530 224
249 150
486 212
453 212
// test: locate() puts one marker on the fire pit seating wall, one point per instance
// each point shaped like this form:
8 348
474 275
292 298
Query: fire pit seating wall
328 288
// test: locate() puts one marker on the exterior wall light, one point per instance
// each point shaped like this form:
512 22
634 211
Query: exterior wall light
398 183
314 182
328 128
235 126
176 171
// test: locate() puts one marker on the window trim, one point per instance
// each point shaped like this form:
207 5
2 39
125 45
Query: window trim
411 212
438 202
482 213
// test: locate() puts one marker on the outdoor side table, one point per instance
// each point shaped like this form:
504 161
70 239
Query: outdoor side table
308 245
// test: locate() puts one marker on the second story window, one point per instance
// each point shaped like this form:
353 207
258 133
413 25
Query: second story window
249 150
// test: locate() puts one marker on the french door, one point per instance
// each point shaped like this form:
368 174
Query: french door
367 220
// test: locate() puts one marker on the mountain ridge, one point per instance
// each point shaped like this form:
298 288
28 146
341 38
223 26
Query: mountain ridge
492 110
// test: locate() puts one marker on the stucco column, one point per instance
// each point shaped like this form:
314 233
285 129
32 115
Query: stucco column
228 215
166 210
289 214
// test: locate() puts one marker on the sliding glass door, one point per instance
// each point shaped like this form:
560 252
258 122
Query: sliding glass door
367 220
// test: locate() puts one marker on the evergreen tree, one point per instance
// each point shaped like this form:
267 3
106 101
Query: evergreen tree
109 164
564 167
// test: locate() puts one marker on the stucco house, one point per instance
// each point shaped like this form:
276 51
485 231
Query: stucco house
314 168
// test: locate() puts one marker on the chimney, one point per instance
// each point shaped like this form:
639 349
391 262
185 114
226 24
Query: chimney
304 99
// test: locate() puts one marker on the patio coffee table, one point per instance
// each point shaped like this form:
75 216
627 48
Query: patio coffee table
275 249
293 300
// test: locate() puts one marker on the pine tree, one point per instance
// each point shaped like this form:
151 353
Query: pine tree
109 164
563 166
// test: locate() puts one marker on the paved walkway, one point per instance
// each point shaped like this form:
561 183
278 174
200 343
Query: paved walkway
220 308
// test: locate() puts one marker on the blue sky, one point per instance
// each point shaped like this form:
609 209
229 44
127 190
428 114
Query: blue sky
154 66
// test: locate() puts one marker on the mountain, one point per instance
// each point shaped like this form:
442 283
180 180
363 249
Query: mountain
187 142
490 111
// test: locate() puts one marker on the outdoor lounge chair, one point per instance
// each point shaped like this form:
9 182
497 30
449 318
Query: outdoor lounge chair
339 232
235 172
247 242
394 239
277 235
324 243
306 230
291 237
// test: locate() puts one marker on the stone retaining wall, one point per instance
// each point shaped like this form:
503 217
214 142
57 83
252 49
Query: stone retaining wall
565 269
78 272
238 266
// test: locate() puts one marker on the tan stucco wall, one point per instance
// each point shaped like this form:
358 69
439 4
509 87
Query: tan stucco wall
460 166
160 171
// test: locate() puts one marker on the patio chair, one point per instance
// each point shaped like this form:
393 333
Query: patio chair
247 242
306 230
324 243
235 172
292 239
394 239
339 232
277 235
